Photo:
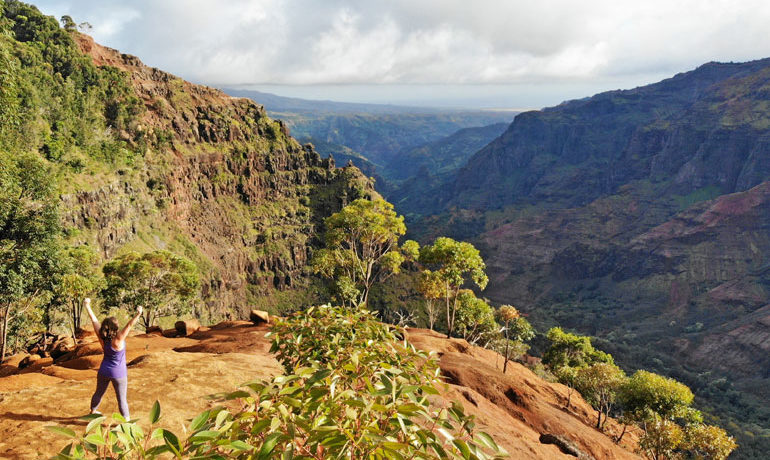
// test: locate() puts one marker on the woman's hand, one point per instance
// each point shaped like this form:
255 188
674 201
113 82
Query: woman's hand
139 310
87 301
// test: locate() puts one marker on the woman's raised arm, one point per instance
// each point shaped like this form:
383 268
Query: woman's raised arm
94 321
124 332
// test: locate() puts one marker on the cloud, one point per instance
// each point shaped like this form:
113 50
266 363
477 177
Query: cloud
425 42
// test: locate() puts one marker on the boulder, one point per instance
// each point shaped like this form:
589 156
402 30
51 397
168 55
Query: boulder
11 365
87 349
187 327
565 445
170 333
154 330
62 346
82 334
37 365
259 316
27 361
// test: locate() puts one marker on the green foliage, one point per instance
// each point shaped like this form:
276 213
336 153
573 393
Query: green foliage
659 405
352 389
362 248
568 354
79 281
55 100
115 438
599 384
29 226
475 320
572 350
707 442
430 285
516 330
661 439
163 283
648 393
454 263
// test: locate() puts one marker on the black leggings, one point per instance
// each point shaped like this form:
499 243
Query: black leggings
120 385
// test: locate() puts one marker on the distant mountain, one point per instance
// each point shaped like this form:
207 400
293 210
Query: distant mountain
275 103
377 132
704 128
445 155
640 217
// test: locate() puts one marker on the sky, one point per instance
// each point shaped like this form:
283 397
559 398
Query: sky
455 53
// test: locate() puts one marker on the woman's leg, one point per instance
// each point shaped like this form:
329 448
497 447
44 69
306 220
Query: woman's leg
121 387
101 386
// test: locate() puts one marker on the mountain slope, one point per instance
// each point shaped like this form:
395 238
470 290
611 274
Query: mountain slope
707 127
145 160
247 195
639 217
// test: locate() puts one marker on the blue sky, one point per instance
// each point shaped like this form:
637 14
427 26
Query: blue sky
481 53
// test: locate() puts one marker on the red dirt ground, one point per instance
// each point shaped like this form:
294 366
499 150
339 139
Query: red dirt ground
515 408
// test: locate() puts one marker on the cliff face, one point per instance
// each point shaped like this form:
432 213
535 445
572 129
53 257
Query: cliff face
707 127
223 184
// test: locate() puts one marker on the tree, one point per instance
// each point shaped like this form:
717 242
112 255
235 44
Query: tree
454 263
516 331
29 227
646 392
647 397
68 23
599 384
431 287
707 442
163 283
475 318
362 248
661 438
568 353
80 281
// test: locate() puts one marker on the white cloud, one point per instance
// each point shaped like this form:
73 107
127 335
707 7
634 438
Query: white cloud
425 41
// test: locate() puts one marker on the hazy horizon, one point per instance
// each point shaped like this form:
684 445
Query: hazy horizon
473 97
437 53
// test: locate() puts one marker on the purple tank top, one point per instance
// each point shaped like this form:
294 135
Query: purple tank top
113 363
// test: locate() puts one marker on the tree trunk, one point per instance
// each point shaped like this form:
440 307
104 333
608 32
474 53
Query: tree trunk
4 335
620 438
448 318
74 324
569 395
454 311
599 419
507 343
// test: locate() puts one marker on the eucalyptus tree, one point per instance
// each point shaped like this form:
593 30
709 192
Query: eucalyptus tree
362 248
454 263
